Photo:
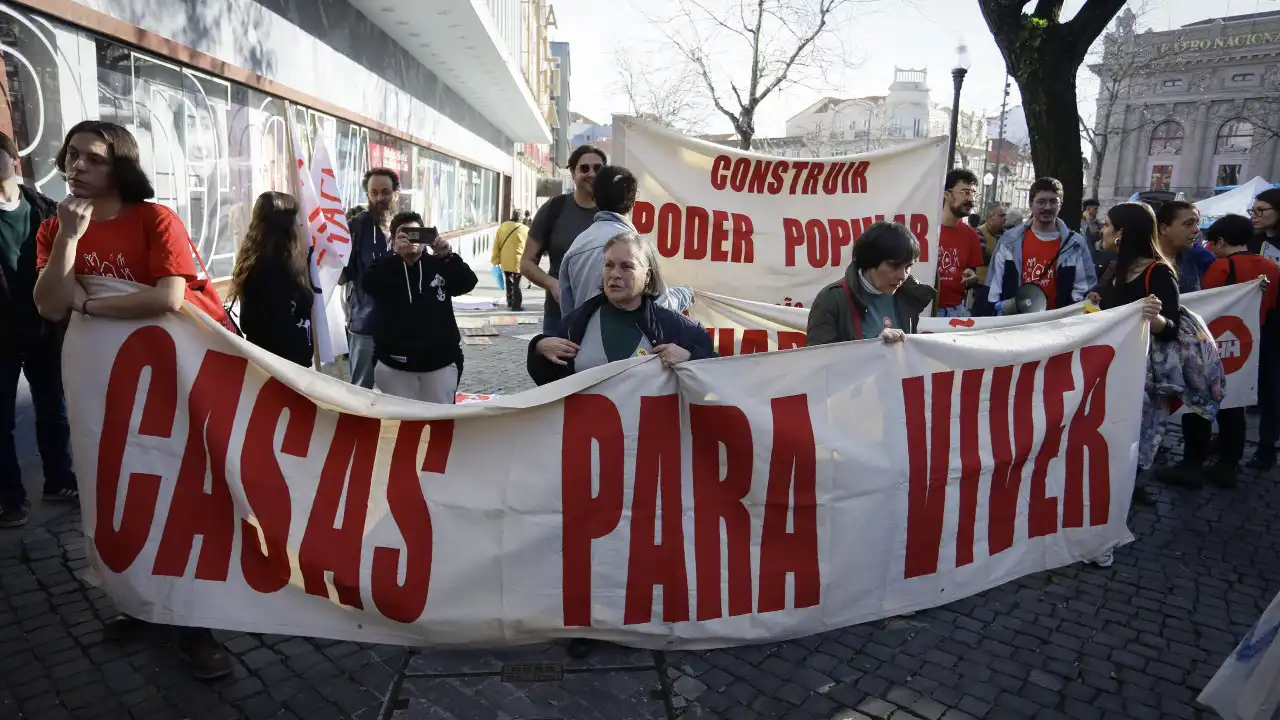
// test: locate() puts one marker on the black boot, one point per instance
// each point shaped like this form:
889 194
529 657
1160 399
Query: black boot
1187 474
1264 459
1222 474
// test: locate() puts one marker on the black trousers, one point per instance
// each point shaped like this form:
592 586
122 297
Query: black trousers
1196 433
515 300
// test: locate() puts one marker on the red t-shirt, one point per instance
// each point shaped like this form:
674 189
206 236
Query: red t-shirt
1037 256
1248 267
959 249
144 243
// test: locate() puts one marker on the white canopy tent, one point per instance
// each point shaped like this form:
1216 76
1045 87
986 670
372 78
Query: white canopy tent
1232 202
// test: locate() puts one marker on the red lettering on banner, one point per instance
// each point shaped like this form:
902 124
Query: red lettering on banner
920 228
264 561
696 222
1085 435
970 464
588 420
754 341
642 215
211 409
788 339
812 179
738 177
326 548
927 465
929 419
819 244
792 468
744 249
719 236
725 342
147 348
792 239
831 182
1003 502
800 168
841 238
777 178
652 563
719 173
1042 510
404 602
769 177
759 178
718 500
698 230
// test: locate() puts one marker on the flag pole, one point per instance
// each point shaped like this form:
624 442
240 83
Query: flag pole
302 226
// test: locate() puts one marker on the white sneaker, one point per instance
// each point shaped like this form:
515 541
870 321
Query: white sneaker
1104 560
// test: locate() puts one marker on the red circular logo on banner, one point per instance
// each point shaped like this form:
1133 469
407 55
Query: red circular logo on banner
1236 348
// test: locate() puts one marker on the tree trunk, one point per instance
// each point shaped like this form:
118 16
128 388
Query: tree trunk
1049 101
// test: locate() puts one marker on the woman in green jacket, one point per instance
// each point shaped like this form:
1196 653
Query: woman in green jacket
877 296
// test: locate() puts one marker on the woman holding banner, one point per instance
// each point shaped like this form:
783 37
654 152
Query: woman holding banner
105 227
622 322
270 281
1143 273
877 296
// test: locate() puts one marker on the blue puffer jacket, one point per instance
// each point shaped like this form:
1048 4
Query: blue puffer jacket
659 325
1074 270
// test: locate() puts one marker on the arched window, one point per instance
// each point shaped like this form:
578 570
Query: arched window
1166 139
1235 136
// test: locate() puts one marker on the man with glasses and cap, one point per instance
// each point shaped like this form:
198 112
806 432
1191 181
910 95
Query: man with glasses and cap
558 223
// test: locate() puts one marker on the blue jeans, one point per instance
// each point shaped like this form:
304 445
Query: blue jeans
40 359
955 311
360 353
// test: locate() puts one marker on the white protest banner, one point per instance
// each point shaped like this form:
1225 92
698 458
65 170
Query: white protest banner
741 327
773 229
729 501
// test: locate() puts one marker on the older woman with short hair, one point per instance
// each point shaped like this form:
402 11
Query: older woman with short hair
622 322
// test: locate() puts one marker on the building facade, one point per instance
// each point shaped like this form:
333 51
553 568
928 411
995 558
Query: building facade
836 126
560 129
1197 109
208 89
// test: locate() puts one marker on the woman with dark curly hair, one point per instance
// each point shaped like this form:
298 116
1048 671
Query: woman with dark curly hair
270 280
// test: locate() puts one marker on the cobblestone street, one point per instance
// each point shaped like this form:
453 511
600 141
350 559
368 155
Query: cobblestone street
1134 641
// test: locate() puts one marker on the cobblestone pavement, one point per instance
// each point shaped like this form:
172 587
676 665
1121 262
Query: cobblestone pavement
1138 640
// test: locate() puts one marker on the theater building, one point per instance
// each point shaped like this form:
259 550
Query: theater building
451 94
1199 110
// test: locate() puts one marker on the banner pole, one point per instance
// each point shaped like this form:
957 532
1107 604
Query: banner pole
303 229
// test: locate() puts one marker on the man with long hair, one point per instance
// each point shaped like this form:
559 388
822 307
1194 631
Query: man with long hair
106 227
370 241
29 345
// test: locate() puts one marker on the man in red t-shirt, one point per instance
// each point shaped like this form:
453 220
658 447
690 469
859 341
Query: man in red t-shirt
1044 252
106 227
959 248
1228 238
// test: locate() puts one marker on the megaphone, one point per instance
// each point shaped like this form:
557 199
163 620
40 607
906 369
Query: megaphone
1030 298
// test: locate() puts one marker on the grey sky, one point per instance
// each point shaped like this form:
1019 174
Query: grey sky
921 33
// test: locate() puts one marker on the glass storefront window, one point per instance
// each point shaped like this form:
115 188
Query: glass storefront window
210 146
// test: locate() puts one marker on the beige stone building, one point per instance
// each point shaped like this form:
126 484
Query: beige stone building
1195 109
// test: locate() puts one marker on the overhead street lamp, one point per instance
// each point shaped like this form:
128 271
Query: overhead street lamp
957 76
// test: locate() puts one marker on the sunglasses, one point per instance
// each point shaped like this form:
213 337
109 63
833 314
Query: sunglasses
585 168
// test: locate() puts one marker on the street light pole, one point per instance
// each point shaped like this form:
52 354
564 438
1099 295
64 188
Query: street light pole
957 77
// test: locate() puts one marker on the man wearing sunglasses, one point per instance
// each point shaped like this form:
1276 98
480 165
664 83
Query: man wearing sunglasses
558 223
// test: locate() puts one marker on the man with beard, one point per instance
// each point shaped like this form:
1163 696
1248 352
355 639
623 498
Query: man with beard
959 249
1045 252
370 240
558 223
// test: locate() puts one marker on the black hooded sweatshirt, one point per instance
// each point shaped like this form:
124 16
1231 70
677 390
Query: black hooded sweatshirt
415 330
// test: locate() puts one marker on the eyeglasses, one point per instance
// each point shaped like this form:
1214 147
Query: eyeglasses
967 192
585 168
1259 210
